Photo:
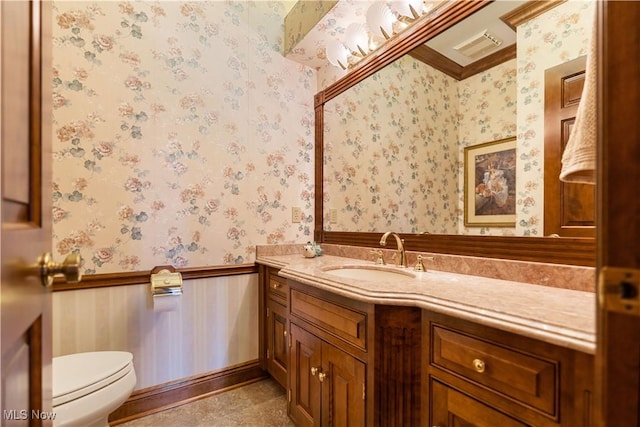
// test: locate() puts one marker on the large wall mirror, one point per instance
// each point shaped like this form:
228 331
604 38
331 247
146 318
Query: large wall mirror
391 135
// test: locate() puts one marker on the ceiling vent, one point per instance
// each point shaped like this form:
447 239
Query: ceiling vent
479 45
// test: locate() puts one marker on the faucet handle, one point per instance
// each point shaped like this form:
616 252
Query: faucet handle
399 256
420 265
378 253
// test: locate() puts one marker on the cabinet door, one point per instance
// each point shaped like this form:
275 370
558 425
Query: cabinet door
304 385
277 342
450 408
343 388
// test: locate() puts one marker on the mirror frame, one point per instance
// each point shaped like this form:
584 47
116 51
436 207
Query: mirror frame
572 251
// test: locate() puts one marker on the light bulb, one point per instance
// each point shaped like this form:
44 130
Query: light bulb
357 38
409 8
380 20
337 54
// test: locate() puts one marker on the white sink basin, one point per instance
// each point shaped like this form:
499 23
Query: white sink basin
369 272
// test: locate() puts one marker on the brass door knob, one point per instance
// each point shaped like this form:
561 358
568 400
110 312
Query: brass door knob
69 268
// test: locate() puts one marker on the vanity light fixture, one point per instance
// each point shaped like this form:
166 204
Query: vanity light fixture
384 20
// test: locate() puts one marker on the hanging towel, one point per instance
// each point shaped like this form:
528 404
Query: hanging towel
579 156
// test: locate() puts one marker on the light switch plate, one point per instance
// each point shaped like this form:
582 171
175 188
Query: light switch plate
296 214
333 215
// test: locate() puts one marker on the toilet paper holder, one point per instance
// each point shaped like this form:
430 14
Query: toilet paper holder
166 281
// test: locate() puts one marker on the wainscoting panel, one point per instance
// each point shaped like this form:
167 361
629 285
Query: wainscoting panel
214 326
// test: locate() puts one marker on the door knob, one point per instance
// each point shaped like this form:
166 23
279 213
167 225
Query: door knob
69 268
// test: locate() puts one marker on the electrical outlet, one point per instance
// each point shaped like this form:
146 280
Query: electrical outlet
296 214
333 216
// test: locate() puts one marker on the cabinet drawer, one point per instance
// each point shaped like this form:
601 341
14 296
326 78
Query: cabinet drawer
278 289
451 407
523 377
348 324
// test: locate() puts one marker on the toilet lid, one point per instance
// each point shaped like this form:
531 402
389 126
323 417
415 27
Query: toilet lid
76 375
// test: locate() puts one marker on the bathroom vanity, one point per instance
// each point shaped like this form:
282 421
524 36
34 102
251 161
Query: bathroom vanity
432 348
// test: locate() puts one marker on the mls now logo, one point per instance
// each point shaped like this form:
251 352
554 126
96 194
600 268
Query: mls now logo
15 414
23 414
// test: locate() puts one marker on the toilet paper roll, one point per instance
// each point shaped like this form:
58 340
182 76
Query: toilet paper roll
162 303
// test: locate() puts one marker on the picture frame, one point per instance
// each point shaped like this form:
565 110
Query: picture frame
489 184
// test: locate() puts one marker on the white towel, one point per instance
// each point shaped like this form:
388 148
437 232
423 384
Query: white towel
579 156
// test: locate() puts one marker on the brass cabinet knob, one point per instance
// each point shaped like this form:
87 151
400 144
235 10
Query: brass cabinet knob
478 365
69 268
276 285
321 376
314 371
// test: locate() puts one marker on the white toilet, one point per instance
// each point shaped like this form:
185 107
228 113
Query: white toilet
87 387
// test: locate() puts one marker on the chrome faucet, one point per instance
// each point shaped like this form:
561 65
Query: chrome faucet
401 260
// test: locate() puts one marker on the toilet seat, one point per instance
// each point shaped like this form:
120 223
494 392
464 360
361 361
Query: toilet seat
77 375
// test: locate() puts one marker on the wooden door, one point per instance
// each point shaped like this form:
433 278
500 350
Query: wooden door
277 342
343 388
569 208
618 260
304 383
26 229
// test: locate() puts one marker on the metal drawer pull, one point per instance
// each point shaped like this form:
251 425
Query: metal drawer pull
276 285
478 365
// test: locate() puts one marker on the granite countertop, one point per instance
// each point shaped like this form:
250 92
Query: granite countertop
555 315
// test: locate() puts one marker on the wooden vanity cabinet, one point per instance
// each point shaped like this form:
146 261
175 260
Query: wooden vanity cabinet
480 376
347 362
329 357
276 326
342 361
327 384
353 363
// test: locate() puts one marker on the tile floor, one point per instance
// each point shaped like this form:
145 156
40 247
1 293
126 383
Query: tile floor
260 404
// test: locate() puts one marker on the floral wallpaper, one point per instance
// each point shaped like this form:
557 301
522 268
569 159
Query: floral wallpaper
181 134
399 162
391 154
558 36
505 101
301 19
